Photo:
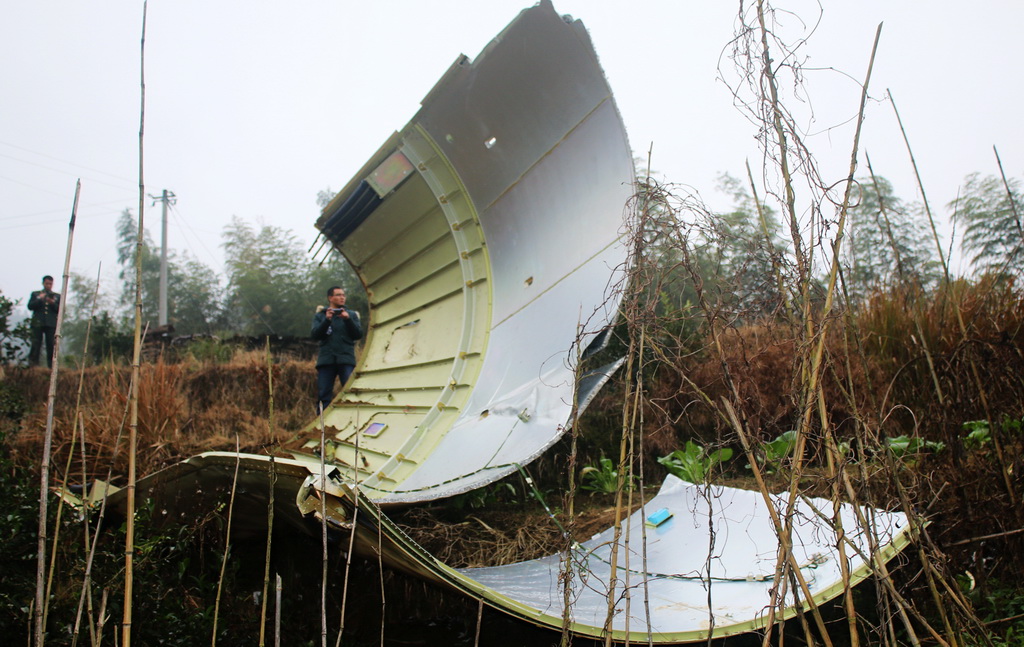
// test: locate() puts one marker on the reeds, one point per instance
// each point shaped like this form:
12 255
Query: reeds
846 377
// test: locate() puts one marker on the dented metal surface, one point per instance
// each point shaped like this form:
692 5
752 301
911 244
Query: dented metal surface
708 571
487 233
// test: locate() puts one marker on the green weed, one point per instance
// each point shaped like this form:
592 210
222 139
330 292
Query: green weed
772 454
694 463
979 434
603 479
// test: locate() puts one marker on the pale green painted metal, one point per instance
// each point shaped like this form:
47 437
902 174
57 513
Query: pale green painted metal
424 263
491 261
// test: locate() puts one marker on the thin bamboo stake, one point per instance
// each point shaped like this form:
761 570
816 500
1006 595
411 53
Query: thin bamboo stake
637 436
277 610
227 542
133 426
44 478
626 479
323 533
629 412
479 623
71 453
270 391
835 467
270 498
86 584
99 526
102 620
638 427
899 264
351 544
270 535
812 378
1009 195
565 566
920 187
975 373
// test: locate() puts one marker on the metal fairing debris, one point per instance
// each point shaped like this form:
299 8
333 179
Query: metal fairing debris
489 235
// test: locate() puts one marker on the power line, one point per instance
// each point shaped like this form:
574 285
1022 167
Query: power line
64 161
52 211
40 223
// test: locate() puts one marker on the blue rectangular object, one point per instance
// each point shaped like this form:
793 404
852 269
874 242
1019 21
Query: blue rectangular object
658 518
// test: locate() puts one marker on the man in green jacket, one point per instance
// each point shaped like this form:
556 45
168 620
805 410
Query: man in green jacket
337 329
44 305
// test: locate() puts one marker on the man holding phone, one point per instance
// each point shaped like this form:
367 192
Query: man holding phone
337 329
44 305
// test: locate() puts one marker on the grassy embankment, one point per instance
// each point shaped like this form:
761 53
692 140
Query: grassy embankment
956 463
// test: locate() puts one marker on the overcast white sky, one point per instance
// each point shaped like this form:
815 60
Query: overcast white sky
252 106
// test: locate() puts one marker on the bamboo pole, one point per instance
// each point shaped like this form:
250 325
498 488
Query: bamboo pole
835 468
479 623
323 533
277 610
812 376
102 620
638 435
44 468
899 264
95 541
133 426
975 372
270 498
1009 195
920 187
565 566
227 542
351 547
628 422
270 534
79 424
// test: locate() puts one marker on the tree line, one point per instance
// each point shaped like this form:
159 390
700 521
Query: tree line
740 259
270 284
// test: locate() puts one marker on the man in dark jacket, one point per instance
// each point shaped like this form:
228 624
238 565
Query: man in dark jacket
44 305
337 329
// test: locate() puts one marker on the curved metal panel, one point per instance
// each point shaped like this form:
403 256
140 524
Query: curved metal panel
487 232
708 571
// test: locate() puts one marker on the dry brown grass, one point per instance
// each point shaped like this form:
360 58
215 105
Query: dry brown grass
184 409
876 378
499 536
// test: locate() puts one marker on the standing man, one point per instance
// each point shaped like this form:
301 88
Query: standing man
44 305
337 329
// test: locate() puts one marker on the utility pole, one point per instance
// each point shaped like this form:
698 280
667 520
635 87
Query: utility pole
166 198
